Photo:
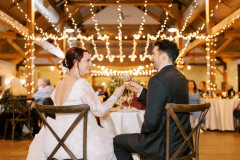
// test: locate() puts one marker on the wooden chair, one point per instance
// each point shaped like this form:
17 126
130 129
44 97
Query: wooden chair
20 109
171 110
83 112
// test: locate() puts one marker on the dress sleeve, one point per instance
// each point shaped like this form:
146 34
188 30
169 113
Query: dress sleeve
89 97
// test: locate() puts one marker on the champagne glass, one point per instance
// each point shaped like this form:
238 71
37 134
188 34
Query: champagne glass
129 101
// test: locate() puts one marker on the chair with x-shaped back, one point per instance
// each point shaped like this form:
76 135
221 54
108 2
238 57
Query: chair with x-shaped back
172 109
83 112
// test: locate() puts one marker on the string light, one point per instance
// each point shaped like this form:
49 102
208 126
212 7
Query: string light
189 16
120 31
139 71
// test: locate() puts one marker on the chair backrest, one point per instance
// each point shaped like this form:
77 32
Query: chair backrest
22 106
171 112
83 112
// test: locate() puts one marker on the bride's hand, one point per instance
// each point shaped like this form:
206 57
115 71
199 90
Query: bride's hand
119 91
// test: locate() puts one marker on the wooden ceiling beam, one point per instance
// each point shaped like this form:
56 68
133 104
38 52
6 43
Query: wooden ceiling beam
188 62
222 26
223 46
195 11
8 55
17 48
17 60
72 13
14 25
214 30
169 12
54 63
230 34
9 35
229 54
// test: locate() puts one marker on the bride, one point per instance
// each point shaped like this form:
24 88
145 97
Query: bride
75 90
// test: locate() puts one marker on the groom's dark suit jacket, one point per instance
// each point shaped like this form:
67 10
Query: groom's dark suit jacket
167 86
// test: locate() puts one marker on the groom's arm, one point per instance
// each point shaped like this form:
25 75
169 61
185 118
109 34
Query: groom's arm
157 97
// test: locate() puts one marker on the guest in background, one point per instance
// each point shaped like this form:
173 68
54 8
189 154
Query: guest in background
194 98
16 90
202 89
42 96
43 92
231 92
39 84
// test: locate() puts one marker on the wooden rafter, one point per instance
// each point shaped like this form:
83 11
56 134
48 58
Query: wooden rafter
188 62
214 29
223 46
16 47
221 26
8 21
9 35
9 55
169 12
196 11
54 63
72 13
230 34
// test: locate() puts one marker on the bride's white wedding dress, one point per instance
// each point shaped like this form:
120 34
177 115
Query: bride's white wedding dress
99 140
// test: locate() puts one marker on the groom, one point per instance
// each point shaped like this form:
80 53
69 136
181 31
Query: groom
167 86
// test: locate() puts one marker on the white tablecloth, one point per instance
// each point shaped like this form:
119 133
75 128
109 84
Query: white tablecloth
220 115
124 122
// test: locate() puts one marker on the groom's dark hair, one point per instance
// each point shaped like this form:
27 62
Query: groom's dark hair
168 47
74 53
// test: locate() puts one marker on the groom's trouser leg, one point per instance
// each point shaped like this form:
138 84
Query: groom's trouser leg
123 147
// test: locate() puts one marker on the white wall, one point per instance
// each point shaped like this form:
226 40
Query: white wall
8 71
198 73
232 73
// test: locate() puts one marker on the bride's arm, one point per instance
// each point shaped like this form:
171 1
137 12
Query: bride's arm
96 107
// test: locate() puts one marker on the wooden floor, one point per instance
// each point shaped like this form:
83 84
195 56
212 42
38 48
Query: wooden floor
213 146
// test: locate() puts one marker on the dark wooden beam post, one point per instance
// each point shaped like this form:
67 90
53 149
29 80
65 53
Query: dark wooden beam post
210 45
30 48
179 40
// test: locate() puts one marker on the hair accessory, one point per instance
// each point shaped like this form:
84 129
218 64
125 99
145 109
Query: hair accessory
65 61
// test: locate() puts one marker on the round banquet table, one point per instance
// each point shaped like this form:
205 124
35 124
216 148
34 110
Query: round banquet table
220 115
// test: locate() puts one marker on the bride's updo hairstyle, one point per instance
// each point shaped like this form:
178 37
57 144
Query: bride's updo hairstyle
74 53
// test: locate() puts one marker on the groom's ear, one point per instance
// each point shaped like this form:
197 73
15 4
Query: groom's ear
164 56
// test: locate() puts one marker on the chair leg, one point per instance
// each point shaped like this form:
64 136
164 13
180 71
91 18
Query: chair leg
5 130
238 126
13 128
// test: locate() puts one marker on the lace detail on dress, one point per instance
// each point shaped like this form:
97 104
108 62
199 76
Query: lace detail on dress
89 97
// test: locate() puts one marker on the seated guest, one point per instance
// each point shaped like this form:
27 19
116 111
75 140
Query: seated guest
194 98
231 92
202 89
44 92
16 90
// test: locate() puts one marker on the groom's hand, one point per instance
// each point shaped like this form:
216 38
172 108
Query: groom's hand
134 87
